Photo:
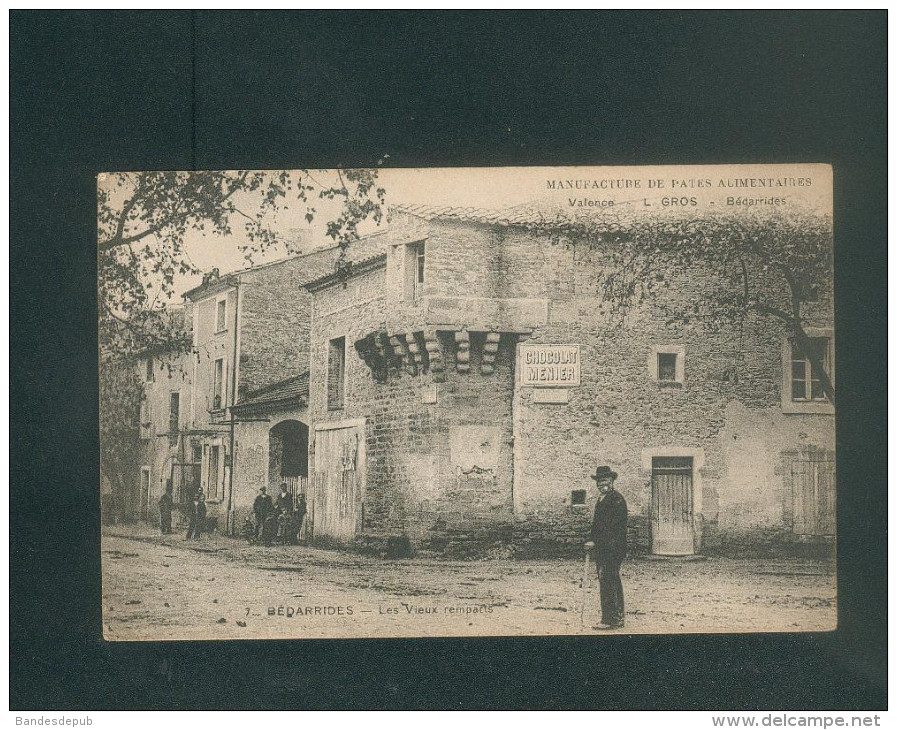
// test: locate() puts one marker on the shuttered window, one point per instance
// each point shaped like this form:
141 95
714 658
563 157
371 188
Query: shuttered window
336 373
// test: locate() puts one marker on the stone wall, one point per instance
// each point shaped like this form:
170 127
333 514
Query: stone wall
726 412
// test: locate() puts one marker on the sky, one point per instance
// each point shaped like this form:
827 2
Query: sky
570 190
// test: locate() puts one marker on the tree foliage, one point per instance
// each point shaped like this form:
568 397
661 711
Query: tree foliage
771 265
145 220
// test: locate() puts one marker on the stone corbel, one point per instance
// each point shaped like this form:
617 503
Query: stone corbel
417 351
462 358
435 355
490 350
400 347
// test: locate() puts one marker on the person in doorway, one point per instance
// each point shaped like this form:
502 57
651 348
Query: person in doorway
301 511
608 539
284 500
262 508
191 517
165 504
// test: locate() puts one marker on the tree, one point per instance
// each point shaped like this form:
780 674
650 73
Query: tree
120 396
144 219
771 265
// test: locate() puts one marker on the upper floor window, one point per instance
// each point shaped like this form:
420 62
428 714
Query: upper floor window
221 314
146 419
336 373
802 389
149 375
666 364
174 416
415 268
806 384
218 384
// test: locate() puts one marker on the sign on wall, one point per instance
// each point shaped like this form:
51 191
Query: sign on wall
549 366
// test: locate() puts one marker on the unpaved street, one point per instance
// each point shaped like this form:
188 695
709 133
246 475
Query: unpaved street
158 587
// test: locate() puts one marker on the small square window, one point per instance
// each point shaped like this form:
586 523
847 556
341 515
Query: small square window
666 366
578 496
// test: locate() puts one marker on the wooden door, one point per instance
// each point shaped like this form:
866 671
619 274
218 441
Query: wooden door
335 507
813 494
672 506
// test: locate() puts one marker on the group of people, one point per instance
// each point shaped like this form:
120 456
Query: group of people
280 521
196 512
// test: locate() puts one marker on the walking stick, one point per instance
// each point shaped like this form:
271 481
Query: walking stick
585 583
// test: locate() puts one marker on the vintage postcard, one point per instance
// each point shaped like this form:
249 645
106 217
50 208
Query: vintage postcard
467 402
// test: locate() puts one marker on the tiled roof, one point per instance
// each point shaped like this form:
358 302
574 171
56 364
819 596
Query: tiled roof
294 389
356 267
318 263
518 215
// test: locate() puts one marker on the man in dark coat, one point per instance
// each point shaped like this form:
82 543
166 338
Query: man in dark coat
262 508
609 540
284 500
165 504
192 517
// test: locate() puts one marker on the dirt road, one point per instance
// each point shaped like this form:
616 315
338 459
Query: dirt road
166 588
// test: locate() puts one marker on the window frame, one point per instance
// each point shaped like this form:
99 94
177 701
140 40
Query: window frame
219 387
342 375
149 371
176 422
654 365
219 300
818 406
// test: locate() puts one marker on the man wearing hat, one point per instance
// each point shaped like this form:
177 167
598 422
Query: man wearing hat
261 508
609 541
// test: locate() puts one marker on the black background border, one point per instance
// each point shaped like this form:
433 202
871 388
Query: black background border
99 91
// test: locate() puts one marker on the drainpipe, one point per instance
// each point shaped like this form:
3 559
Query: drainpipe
233 401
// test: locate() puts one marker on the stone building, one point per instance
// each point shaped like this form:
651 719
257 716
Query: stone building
164 421
248 369
463 386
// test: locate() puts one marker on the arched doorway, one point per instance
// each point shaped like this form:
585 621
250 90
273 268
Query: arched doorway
288 457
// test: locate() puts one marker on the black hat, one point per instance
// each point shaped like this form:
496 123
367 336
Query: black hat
604 472
263 488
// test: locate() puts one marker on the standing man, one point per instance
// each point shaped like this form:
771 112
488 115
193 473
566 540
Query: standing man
200 513
165 504
301 510
609 541
261 508
284 500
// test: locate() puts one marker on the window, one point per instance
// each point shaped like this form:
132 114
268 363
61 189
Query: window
214 481
578 497
149 376
336 373
221 314
174 417
666 364
146 419
420 254
802 390
805 382
415 269
218 385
